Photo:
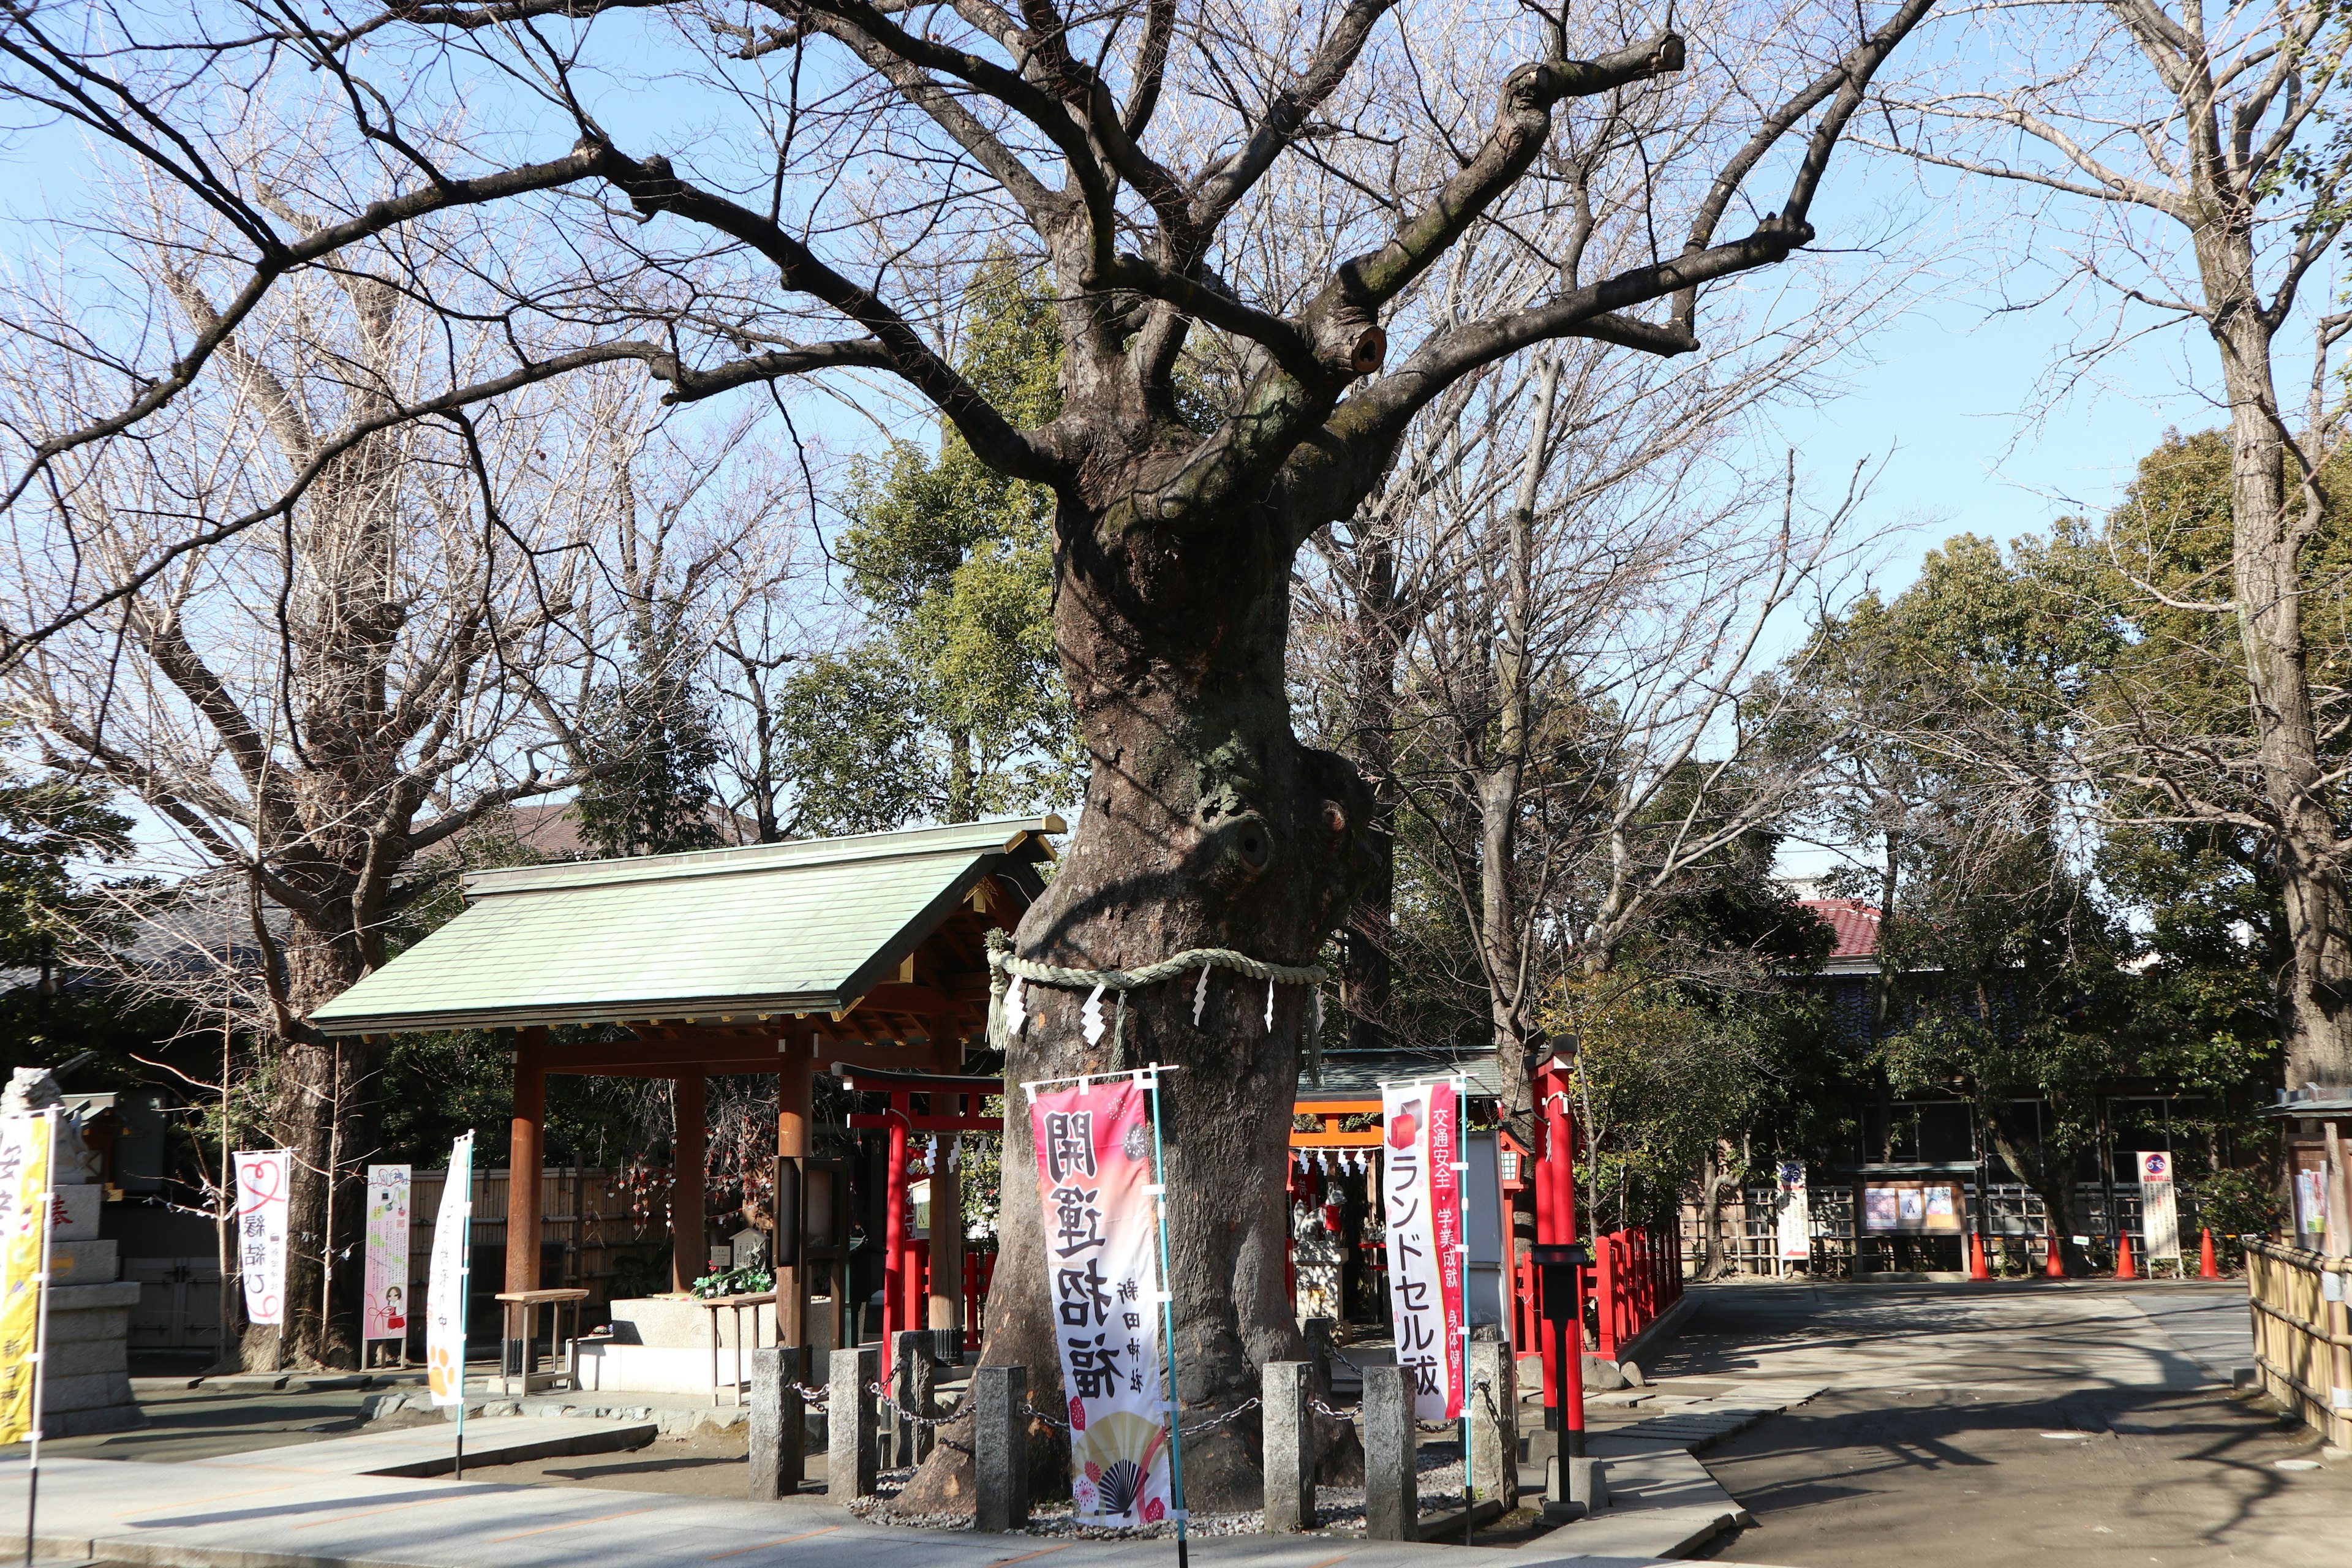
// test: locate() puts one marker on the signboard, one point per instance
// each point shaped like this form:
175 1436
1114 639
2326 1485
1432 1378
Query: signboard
26 1139
1912 1208
1093 1143
2160 1210
445 1284
1795 1214
264 1184
2311 1207
1421 1199
384 1296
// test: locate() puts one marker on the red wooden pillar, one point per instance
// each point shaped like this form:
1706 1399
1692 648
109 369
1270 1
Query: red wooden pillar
1605 1288
1555 1192
793 1284
689 1250
526 1157
894 1233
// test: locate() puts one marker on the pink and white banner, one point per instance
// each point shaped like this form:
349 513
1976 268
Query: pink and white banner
1421 1198
264 1184
1094 1174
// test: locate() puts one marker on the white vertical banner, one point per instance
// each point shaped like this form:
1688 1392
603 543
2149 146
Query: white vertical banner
2160 1210
1093 1143
264 1187
1421 1193
1796 1214
445 1285
383 1302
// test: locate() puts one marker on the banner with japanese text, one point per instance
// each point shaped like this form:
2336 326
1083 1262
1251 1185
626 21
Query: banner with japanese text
1094 1175
1420 1200
383 1299
27 1139
2159 1210
445 1282
263 1188
1795 1215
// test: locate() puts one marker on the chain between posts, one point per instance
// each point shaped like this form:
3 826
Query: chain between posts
883 1397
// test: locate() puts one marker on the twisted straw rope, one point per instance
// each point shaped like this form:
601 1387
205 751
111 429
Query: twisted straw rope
1002 959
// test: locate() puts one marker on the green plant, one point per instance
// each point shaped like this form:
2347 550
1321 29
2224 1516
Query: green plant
733 1282
638 1274
2232 1203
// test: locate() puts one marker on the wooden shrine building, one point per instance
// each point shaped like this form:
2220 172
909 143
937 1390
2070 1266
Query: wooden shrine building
783 958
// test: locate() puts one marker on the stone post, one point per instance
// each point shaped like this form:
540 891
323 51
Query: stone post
849 1423
779 1423
1000 1448
1289 1446
911 1391
1391 1496
1494 1423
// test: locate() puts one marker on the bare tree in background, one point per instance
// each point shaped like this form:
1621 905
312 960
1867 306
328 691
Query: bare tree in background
2193 167
1232 242
317 710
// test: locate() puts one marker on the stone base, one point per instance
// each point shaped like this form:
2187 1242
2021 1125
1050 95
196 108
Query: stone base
89 1423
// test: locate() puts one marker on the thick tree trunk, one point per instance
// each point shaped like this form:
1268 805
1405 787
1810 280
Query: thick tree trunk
2270 529
323 1107
1206 824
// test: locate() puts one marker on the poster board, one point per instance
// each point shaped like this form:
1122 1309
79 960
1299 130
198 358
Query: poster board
1930 1207
384 1299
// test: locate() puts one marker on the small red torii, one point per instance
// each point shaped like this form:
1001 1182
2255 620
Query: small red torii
952 1105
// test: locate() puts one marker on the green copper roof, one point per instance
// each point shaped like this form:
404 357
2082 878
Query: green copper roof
808 926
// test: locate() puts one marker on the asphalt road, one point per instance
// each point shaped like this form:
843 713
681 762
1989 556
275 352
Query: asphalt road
2009 1423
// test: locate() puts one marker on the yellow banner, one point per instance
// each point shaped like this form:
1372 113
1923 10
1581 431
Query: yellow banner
25 1140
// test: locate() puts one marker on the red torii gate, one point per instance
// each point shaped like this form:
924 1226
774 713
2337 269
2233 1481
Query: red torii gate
904 1260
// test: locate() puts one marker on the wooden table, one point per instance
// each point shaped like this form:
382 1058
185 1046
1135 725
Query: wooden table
519 1362
755 1299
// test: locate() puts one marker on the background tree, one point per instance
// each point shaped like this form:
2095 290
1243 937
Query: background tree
2194 166
313 710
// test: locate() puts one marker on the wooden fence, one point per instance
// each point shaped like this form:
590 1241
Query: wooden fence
2303 1349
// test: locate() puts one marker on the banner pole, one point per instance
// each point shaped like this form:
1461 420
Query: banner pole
1461 1203
465 1291
41 1328
1167 1321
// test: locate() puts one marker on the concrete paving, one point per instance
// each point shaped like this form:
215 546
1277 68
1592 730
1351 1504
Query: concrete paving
2014 1422
215 1515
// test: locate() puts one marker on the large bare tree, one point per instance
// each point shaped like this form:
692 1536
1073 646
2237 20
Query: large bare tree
317 713
1231 241
2188 166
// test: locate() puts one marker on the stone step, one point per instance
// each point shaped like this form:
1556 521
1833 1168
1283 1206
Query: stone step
432 1450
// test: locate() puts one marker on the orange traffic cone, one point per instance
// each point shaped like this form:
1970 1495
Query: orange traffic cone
1977 1270
2124 1270
2206 1267
2054 1268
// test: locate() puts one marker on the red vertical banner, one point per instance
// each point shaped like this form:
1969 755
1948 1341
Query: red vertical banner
1421 1195
1093 1144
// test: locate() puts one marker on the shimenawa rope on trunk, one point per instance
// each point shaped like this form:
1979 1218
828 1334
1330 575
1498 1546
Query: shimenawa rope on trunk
1002 962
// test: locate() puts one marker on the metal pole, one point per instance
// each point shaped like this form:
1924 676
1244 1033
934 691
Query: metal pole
465 1296
1462 1263
41 1328
1168 1319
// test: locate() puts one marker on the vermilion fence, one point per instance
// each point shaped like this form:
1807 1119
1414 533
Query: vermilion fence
1635 1278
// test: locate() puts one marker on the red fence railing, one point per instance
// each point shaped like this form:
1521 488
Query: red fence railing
1635 1278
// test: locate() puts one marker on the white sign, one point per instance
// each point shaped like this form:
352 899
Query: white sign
445 1285
1795 1214
1420 1200
264 1184
383 1299
2160 1210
